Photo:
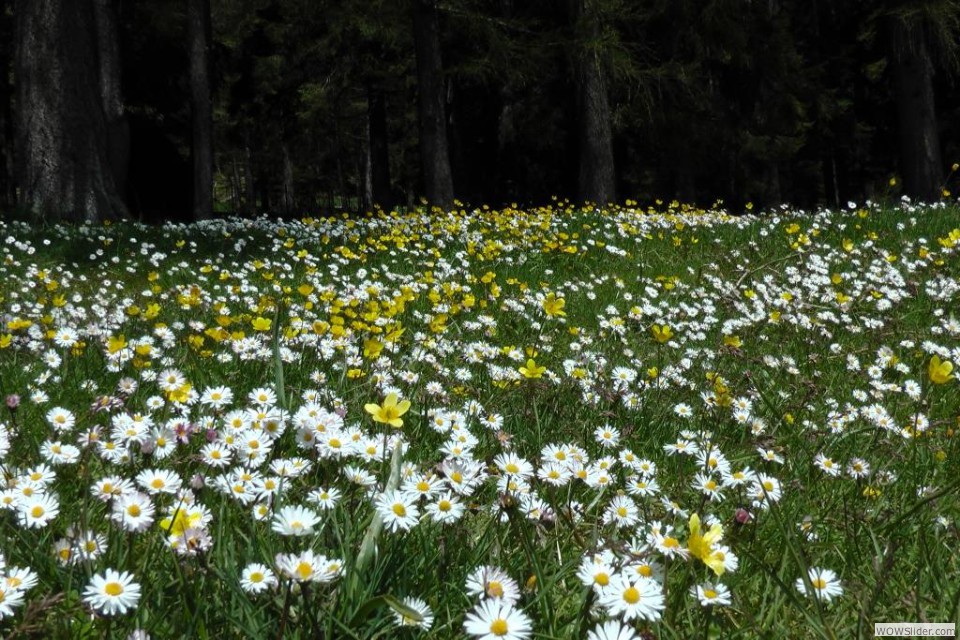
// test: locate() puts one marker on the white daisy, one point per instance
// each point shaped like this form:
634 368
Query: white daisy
112 592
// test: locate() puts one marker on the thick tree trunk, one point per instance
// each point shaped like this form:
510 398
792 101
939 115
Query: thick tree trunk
913 86
7 182
198 36
597 178
377 188
111 95
250 192
431 107
236 184
289 200
63 163
263 189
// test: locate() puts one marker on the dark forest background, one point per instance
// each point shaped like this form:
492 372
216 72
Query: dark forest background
187 109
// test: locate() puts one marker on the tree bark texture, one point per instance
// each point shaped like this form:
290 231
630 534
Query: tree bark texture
63 163
7 181
249 184
111 94
431 106
199 37
289 199
913 85
378 150
597 178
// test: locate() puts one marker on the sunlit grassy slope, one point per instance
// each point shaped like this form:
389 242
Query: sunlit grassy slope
483 420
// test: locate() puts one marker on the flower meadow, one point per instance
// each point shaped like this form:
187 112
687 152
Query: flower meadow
561 422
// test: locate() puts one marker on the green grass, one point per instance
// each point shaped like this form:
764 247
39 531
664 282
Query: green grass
834 312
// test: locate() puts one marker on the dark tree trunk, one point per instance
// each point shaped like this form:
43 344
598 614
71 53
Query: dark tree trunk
505 171
377 188
917 119
507 95
62 158
250 192
263 189
289 199
198 36
431 107
236 183
597 178
111 94
7 183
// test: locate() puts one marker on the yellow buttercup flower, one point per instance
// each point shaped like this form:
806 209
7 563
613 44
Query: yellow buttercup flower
941 371
261 324
702 545
553 306
116 343
390 411
732 341
661 333
532 370
372 348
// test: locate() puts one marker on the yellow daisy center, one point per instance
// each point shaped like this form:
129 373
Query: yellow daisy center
400 510
631 595
304 570
602 579
113 588
499 627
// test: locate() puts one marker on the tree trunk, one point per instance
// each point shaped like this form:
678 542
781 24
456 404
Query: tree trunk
236 183
431 107
250 192
263 188
7 183
111 95
63 163
289 201
597 178
913 87
198 36
378 151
